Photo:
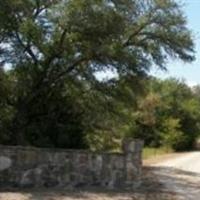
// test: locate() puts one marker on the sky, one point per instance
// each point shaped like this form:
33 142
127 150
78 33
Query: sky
190 72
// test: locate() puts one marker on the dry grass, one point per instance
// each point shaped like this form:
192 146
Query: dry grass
149 153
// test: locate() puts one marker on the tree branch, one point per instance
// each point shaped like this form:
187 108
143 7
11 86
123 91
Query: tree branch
69 69
149 20
26 48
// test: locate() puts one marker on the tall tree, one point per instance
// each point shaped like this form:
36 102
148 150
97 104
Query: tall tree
57 47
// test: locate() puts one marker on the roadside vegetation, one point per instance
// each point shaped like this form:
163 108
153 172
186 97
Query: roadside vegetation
53 93
150 152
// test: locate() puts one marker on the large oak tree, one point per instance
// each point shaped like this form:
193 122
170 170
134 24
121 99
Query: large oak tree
56 47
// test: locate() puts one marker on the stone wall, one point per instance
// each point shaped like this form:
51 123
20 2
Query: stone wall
35 167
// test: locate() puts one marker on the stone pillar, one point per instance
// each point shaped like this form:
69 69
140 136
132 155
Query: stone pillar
133 161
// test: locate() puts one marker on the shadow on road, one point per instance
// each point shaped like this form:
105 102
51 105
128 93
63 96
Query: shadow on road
158 183
178 183
84 195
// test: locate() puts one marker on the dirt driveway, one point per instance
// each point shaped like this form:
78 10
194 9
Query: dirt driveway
180 175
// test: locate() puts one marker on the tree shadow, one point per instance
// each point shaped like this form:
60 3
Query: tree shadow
168 180
158 183
87 195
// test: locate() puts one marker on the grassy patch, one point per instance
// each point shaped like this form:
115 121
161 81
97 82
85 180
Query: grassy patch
155 152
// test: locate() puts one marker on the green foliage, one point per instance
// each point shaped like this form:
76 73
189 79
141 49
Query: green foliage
168 115
52 95
172 135
149 152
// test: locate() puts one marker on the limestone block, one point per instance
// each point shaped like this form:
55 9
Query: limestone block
5 163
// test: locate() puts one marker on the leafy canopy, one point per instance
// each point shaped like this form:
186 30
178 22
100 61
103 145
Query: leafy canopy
55 49
86 36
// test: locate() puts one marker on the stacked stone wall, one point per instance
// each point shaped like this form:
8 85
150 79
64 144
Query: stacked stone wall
35 167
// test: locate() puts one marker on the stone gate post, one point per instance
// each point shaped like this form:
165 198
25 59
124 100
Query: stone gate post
133 161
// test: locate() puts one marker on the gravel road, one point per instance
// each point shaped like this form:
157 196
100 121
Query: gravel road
180 175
